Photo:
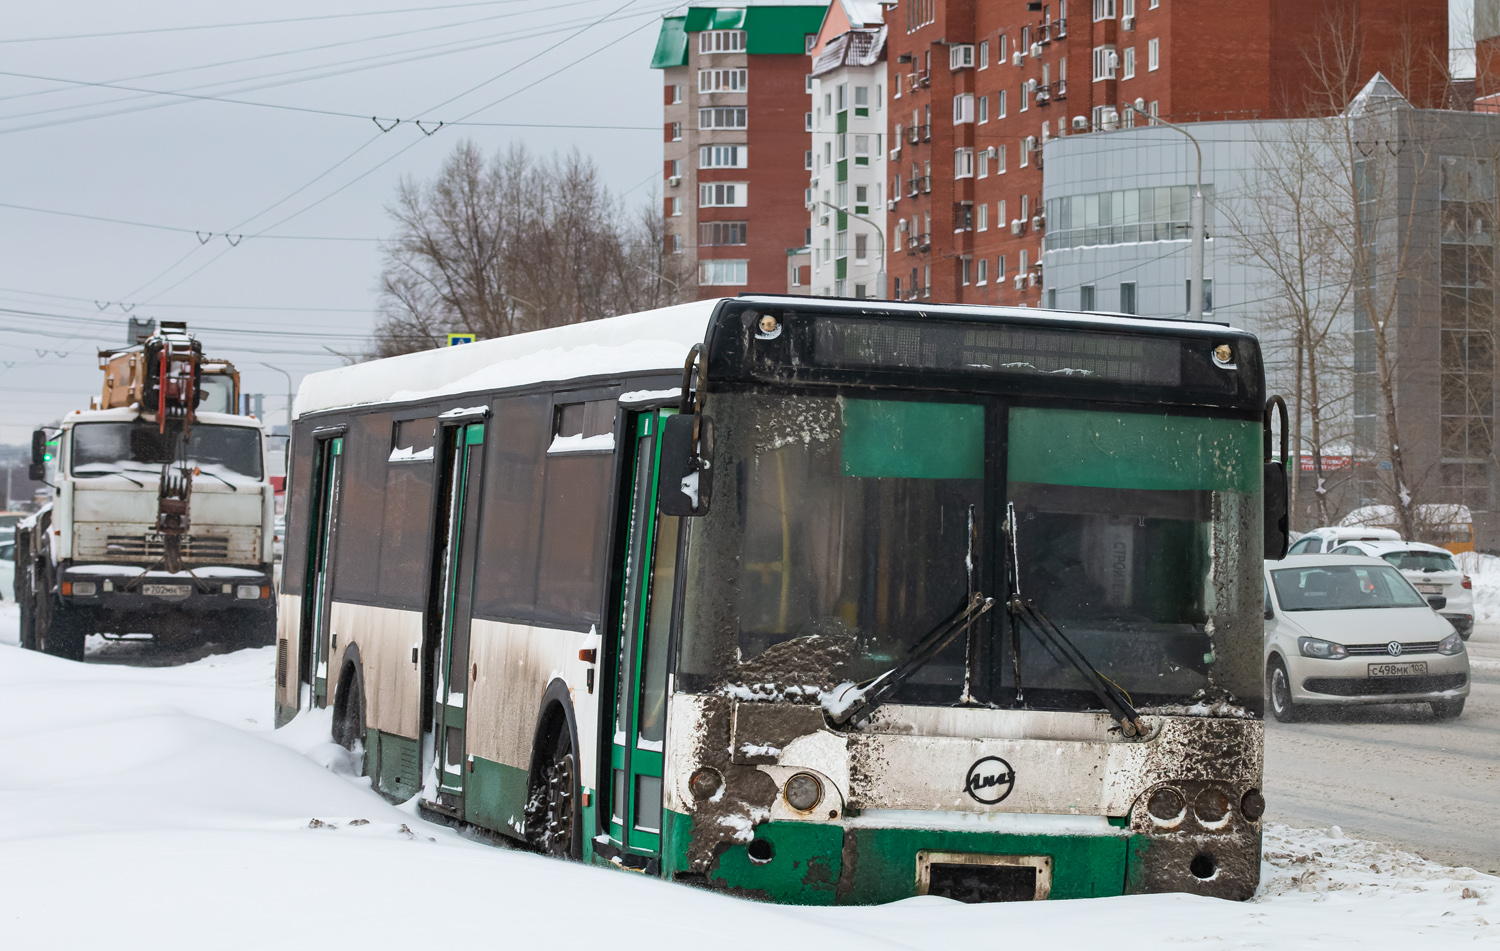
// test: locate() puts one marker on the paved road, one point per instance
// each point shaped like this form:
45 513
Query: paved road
1394 774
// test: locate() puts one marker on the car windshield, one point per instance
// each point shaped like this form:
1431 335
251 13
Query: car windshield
103 449
1343 587
1420 560
843 530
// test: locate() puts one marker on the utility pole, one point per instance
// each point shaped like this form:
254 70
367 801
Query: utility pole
1198 216
288 396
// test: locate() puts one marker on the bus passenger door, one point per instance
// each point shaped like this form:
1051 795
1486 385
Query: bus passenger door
317 588
447 666
640 689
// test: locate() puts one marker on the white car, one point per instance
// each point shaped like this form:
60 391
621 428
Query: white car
1349 629
1321 540
1431 570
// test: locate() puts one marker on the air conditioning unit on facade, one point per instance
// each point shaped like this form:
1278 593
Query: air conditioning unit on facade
992 152
890 205
674 180
1017 226
1038 221
1080 123
1036 49
1033 279
823 220
1020 281
1031 143
1127 23
895 153
1018 58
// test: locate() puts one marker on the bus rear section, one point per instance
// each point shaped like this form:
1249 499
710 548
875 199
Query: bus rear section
880 603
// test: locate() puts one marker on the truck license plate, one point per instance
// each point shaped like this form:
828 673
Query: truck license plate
167 590
1430 588
1415 668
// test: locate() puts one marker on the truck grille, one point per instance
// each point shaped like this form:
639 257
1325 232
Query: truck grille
149 547
1415 647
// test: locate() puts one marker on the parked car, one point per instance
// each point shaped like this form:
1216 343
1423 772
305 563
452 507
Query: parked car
1350 629
1431 571
1322 540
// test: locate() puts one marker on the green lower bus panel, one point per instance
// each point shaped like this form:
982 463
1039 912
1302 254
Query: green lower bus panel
810 863
393 764
495 797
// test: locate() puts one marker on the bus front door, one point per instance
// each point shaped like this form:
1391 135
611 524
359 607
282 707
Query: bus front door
317 588
640 689
447 646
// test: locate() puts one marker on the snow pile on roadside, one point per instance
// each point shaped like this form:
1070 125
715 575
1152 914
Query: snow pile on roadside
1484 570
155 808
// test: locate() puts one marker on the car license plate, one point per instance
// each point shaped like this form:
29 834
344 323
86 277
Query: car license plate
1430 588
167 590
1416 668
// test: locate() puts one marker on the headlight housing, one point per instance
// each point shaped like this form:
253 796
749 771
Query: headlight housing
1317 647
1452 644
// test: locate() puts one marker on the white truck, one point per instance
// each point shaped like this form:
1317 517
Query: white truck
161 517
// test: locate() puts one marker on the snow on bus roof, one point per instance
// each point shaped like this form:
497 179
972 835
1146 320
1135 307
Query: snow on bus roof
649 340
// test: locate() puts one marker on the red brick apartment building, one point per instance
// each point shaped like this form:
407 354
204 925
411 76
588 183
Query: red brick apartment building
977 86
737 117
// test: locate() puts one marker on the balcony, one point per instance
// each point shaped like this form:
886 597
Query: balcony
924 183
918 242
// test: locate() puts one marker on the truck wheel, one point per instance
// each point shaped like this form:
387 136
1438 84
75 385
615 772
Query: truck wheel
256 630
61 633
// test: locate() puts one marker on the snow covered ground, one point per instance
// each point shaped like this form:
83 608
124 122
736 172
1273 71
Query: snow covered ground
1485 572
156 808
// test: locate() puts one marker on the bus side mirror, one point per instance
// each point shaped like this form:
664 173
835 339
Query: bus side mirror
1277 530
685 481
38 469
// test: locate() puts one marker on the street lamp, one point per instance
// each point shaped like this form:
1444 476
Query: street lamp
1195 266
879 233
288 396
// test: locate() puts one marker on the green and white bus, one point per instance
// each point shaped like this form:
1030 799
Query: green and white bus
807 600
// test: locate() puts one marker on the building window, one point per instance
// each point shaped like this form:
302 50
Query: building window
861 150
999 268
1000 215
722 117
807 160
861 248
1052 298
861 199
1154 109
722 80
676 244
927 280
1127 63
1104 10
920 13
982 277
1022 269
1130 216
964 267
1000 105
719 234
721 41
984 163
861 97
674 94
984 54
982 218
961 56
722 156
1153 55
1127 297
983 105
796 276
896 86
1025 99
676 205
1025 153
674 168
1208 296
1000 161
963 163
1105 62
1001 56
723 195
1154 4
963 108
723 272
807 122
674 131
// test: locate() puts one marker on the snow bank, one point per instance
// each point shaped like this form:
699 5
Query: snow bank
156 808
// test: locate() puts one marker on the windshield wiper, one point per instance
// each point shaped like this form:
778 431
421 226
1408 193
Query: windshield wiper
201 471
114 472
858 703
1111 696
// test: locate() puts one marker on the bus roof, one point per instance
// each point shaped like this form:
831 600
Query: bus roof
653 340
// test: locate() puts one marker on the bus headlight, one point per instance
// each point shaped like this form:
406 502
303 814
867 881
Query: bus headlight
803 792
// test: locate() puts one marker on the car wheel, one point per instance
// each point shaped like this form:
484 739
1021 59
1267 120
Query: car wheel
1279 688
1447 709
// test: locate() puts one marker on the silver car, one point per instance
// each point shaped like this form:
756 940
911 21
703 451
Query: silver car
1349 629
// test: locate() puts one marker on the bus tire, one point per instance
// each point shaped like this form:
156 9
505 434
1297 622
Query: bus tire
553 820
1279 689
349 706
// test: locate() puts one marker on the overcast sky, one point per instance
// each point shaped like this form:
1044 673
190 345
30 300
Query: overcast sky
217 167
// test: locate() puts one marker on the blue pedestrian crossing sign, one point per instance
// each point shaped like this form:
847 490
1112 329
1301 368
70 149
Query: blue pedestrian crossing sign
456 339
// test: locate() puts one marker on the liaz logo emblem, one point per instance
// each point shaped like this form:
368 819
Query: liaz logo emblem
1393 648
990 780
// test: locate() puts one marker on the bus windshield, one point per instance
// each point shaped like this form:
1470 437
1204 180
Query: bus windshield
101 449
845 529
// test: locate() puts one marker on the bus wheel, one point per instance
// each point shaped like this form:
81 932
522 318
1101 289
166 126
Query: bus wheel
552 821
1279 686
349 715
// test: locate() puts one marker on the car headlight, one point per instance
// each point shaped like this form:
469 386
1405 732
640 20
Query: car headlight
1452 644
1317 647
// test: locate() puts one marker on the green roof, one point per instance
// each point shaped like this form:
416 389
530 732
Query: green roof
671 44
769 29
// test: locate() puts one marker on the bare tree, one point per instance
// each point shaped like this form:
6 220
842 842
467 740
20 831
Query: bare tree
510 244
